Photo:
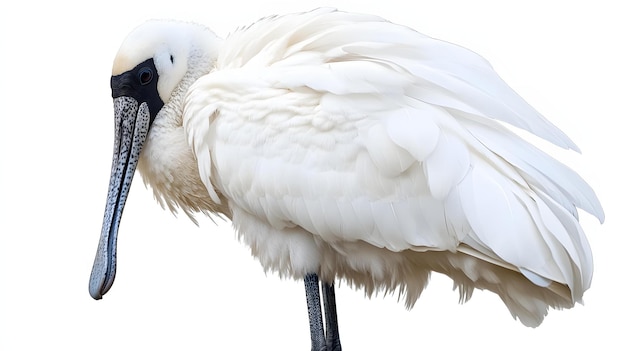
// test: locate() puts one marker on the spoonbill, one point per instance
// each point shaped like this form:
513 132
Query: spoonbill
345 147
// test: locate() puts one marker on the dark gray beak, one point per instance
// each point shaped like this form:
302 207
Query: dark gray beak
132 122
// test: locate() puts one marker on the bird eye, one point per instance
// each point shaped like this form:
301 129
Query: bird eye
145 76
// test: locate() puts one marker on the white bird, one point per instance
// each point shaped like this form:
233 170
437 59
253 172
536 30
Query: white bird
346 147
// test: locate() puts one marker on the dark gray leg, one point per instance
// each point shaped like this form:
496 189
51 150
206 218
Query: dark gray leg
312 288
330 312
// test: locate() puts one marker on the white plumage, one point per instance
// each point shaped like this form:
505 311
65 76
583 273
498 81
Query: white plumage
361 150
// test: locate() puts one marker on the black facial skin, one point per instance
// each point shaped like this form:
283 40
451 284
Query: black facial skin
140 83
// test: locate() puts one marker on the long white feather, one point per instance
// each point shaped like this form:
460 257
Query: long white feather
333 133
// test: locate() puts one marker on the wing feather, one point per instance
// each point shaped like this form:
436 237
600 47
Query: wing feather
356 129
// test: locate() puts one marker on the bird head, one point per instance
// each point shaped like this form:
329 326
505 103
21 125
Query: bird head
154 60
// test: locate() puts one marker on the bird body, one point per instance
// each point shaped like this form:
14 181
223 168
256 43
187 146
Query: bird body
364 151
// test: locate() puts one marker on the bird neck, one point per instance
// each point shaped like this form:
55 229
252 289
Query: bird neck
168 165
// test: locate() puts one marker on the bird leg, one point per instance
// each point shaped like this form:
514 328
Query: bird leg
312 288
330 312
320 340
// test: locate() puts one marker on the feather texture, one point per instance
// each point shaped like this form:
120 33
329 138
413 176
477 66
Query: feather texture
363 150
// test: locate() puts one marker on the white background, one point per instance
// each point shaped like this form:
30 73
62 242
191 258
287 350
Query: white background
180 287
